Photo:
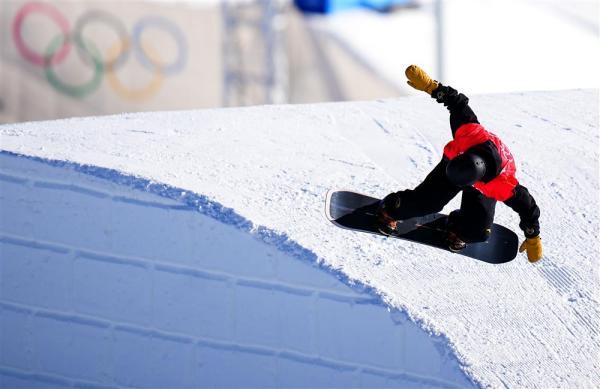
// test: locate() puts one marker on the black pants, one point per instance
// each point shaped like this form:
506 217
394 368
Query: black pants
474 220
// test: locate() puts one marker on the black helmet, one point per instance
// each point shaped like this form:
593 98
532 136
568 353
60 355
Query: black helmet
466 169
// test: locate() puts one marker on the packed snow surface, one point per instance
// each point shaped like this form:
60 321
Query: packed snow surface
517 324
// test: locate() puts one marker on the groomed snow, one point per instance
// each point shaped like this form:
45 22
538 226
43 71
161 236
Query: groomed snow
511 325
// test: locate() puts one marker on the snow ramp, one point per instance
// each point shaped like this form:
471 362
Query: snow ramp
176 249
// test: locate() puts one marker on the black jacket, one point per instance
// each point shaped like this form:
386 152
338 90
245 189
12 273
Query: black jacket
436 190
460 113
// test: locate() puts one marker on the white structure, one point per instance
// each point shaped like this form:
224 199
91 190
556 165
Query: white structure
254 52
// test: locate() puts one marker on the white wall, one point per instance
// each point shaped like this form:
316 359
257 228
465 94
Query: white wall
103 284
185 39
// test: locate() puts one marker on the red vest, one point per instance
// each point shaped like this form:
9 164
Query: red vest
469 135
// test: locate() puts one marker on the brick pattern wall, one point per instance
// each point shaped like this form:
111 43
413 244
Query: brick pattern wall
105 286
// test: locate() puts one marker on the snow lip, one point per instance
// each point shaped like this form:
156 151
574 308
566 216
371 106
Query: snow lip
280 240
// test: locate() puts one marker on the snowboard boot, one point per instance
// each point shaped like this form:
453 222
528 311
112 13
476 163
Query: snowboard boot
454 242
386 223
387 227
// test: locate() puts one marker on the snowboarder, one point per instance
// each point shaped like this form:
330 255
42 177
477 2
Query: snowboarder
475 162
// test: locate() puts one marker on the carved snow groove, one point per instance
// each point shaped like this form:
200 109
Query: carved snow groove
88 192
188 271
150 333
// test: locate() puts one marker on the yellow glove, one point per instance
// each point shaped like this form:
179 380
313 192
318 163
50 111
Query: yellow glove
533 247
419 79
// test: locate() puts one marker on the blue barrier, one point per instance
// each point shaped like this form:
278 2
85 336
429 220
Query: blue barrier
332 6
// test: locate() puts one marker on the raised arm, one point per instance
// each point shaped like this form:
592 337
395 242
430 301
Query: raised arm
457 103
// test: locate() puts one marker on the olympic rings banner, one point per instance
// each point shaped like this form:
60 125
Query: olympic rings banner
77 42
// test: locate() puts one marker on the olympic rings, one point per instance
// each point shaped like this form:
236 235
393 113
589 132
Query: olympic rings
110 20
132 94
75 90
116 56
56 16
175 66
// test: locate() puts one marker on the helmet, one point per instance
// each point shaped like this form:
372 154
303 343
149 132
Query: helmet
466 169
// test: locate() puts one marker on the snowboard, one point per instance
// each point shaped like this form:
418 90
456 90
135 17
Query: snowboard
355 211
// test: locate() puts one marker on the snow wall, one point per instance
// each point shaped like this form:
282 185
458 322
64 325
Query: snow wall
111 280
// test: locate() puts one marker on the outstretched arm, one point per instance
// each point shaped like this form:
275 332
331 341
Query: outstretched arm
457 103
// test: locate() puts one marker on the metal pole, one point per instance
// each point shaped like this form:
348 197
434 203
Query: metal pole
439 23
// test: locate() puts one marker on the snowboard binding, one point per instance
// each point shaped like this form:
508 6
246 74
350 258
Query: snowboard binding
387 228
454 242
386 224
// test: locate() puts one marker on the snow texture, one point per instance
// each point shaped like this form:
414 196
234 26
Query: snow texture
517 324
